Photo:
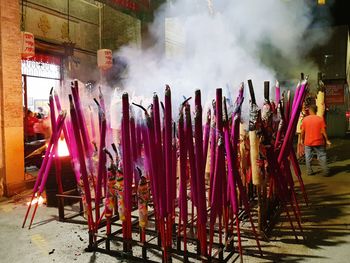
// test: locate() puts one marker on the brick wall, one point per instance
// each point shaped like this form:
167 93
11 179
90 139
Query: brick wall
11 120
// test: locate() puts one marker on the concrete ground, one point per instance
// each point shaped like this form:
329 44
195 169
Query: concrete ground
326 221
325 224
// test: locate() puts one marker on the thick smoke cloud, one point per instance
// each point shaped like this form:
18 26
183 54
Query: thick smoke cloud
225 42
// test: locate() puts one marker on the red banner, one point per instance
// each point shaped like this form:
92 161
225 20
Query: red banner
46 58
334 94
133 5
104 58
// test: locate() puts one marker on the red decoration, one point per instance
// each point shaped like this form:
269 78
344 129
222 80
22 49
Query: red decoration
128 4
45 58
28 47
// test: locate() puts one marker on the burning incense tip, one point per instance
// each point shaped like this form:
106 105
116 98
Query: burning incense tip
39 200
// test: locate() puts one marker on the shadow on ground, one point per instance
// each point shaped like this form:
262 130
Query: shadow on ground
323 226
333 170
339 151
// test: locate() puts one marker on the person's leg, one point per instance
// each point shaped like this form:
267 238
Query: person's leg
322 158
308 159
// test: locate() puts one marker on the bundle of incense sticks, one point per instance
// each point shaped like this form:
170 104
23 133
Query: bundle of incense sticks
46 166
162 161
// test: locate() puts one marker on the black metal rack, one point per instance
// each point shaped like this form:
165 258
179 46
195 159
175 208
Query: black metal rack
152 251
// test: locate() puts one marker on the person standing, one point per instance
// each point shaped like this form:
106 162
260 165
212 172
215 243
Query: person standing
31 120
314 137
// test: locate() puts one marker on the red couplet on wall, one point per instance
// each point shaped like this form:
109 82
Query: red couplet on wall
28 48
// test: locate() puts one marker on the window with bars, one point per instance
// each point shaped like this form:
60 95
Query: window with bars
41 69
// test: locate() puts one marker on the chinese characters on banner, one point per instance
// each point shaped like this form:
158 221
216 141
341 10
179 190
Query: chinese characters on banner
28 48
104 59
334 94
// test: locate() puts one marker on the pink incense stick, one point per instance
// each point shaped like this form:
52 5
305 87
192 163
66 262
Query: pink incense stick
148 138
216 198
92 124
134 150
217 194
212 155
191 154
55 136
102 161
202 207
206 135
168 149
40 174
174 149
183 165
65 132
139 141
231 155
277 93
148 135
127 162
297 173
287 107
183 177
70 141
72 146
220 162
83 128
292 123
296 95
81 119
81 157
57 161
160 168
281 124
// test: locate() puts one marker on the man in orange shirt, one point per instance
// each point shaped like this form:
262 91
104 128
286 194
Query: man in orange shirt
313 136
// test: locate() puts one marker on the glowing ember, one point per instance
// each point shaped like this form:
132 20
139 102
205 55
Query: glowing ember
62 148
39 200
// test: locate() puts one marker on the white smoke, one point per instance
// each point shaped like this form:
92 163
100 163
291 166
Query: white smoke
227 42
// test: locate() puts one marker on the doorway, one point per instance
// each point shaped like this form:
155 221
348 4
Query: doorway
39 75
